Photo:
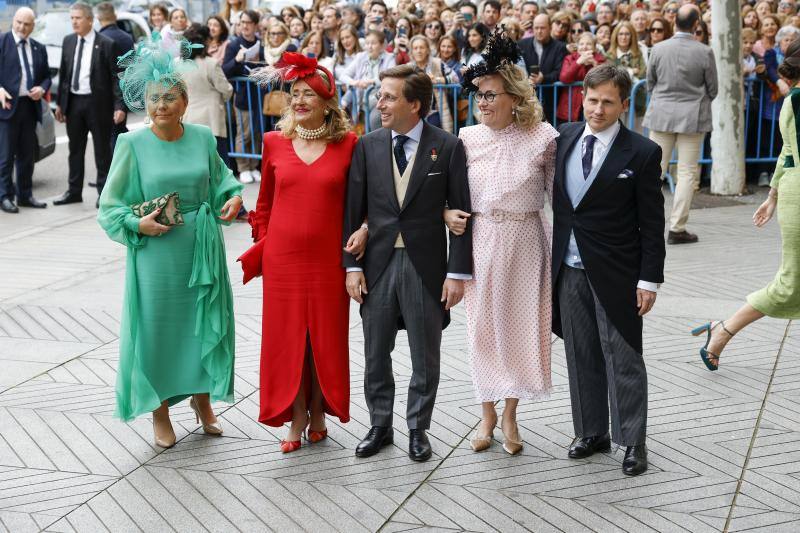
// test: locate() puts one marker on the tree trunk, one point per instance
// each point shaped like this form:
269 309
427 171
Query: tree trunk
727 110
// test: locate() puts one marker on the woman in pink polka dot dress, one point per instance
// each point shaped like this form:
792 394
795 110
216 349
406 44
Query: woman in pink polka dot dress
511 161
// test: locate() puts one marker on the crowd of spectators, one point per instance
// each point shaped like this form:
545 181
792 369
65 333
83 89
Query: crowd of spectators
560 41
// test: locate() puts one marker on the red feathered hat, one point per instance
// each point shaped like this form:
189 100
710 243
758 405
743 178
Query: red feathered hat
292 67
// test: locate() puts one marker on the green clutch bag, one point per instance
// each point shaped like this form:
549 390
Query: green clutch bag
170 205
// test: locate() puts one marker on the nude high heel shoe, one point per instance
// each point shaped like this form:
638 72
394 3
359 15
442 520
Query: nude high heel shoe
214 428
163 443
512 444
479 442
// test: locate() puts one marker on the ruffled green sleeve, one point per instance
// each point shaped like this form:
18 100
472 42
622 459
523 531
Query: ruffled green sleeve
122 190
223 183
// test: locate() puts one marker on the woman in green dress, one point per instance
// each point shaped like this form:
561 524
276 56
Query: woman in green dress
781 298
177 332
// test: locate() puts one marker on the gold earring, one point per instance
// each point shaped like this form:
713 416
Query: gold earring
327 112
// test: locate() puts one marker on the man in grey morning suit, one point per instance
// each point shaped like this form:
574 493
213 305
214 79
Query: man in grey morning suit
682 81
608 259
401 178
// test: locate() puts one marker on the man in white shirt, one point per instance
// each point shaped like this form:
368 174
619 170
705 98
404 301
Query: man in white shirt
608 259
24 79
401 177
89 99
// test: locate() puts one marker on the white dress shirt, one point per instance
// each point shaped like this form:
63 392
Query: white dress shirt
84 85
604 141
23 82
410 148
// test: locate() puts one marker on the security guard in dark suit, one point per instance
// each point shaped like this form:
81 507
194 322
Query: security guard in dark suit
24 80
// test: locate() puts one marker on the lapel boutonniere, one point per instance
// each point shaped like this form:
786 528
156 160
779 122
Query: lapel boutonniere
434 155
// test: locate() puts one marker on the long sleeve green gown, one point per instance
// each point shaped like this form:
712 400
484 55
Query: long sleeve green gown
177 330
781 298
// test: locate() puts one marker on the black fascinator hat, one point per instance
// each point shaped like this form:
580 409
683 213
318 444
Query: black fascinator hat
500 50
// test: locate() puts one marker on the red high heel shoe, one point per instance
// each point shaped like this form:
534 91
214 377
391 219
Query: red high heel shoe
289 446
316 436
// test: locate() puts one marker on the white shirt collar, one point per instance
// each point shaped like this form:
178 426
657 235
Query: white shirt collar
18 38
605 137
415 134
89 38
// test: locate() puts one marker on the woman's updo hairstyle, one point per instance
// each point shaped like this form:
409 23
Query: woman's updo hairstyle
790 67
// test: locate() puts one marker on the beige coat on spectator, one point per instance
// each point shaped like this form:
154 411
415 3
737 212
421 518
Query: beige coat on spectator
208 91
682 81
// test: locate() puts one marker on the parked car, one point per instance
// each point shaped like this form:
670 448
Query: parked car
142 7
45 133
52 26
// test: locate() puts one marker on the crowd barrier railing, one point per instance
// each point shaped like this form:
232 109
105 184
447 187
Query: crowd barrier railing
762 139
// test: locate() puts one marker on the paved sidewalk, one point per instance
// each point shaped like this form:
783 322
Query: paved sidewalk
723 446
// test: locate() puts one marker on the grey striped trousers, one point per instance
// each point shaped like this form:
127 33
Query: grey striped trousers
603 368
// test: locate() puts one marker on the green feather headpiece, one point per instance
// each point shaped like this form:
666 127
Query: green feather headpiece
159 61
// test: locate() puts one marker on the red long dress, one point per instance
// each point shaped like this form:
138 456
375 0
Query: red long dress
299 212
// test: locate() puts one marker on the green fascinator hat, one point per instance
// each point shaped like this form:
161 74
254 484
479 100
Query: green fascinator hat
157 63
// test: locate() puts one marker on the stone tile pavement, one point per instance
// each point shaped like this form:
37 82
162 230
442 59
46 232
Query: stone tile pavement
723 446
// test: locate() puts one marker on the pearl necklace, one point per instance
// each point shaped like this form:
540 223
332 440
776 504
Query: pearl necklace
310 135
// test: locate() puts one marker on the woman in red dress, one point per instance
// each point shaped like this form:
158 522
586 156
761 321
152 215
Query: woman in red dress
297 227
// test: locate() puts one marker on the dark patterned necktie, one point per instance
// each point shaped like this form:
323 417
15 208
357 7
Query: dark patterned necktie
588 154
27 65
76 76
400 153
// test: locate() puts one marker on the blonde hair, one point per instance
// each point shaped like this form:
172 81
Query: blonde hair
634 46
528 111
226 10
336 120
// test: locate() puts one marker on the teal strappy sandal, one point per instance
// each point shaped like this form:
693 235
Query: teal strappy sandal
710 359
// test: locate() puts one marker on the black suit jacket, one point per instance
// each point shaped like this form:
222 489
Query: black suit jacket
123 42
103 78
553 54
438 178
11 71
618 226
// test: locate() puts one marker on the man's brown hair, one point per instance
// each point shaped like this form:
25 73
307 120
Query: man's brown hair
417 85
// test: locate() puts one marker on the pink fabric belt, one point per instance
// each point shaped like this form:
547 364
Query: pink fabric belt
499 216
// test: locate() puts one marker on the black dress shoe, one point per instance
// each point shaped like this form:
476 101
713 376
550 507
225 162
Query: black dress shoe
8 206
635 461
376 438
419 448
681 237
67 198
32 202
586 446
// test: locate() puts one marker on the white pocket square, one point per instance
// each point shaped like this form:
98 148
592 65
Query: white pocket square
433 173
625 174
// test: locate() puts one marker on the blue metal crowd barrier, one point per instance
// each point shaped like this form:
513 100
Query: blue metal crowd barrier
761 131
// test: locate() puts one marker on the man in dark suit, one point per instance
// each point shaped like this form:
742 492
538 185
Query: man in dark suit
89 99
608 259
243 53
401 177
123 43
543 58
24 79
